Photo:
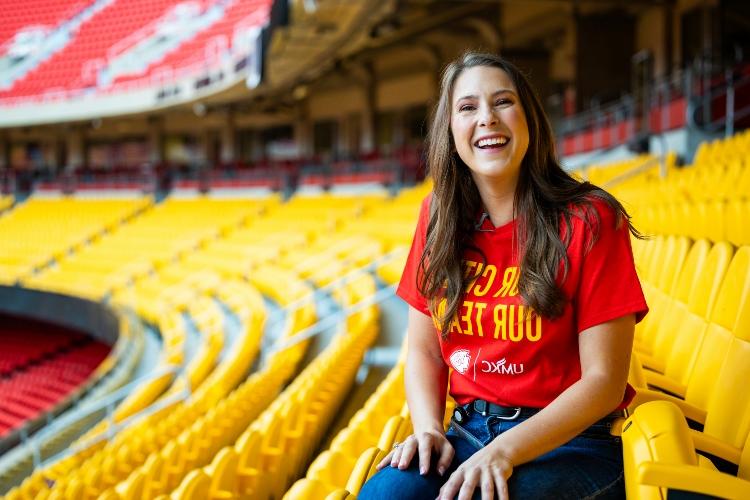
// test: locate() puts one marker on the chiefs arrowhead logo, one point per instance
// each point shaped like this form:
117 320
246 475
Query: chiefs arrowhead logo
460 360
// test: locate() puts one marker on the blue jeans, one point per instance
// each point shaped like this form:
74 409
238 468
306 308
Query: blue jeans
588 466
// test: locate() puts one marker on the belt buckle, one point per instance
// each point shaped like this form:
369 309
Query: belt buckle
513 417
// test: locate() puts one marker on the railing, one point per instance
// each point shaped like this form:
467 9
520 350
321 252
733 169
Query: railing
106 405
284 176
693 98
331 320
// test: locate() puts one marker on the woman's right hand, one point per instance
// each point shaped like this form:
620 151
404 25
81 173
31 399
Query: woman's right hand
424 443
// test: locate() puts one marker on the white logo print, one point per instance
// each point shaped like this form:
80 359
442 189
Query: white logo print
502 367
460 360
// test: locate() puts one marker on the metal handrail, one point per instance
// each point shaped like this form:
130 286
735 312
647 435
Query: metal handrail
278 316
330 320
107 403
638 169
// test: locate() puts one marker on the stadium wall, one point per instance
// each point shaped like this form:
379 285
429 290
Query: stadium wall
74 313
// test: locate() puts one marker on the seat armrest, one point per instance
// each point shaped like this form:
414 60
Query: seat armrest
645 395
693 478
663 382
716 447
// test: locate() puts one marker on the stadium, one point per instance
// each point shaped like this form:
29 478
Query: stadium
206 207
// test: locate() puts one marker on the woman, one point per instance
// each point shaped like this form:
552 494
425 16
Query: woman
521 280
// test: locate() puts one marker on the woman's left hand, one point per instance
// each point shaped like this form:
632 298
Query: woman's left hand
487 469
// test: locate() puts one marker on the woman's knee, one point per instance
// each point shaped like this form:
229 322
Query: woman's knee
406 484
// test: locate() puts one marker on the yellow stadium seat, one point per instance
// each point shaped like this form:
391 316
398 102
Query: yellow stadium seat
310 489
660 455
364 469
677 331
196 485
716 394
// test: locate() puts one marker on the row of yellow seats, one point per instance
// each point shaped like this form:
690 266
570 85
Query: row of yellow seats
207 399
155 239
714 220
277 446
331 469
601 175
6 202
724 150
114 371
391 222
172 328
396 429
696 348
40 230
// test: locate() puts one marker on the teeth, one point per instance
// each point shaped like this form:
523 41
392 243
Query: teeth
494 141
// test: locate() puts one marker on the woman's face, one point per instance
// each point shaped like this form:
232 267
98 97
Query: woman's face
489 126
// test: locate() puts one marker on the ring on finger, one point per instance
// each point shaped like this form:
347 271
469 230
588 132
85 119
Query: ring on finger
396 446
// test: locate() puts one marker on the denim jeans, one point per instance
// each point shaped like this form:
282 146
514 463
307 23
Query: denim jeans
588 466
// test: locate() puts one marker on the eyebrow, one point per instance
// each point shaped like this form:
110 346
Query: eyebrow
497 92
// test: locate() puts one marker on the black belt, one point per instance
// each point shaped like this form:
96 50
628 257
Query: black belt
485 408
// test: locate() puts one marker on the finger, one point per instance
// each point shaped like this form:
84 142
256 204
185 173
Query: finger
467 488
501 485
396 456
408 448
386 460
451 486
425 453
488 486
446 457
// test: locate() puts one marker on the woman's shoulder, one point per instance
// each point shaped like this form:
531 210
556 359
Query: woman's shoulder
595 210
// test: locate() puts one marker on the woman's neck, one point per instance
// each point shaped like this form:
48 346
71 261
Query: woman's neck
498 203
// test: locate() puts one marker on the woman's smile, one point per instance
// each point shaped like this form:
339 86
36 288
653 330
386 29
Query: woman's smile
489 126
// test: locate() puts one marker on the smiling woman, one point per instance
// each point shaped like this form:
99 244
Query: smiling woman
510 283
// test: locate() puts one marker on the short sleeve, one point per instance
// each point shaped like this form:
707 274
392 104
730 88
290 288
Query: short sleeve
608 287
407 287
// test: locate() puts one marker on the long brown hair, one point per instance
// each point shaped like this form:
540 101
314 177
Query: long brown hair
545 195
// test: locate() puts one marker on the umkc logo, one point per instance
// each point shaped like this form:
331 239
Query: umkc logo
460 359
502 367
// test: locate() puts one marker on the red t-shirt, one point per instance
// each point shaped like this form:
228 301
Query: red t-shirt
495 353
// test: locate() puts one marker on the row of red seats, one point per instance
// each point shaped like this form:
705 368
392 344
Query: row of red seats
21 348
26 394
195 50
18 15
65 70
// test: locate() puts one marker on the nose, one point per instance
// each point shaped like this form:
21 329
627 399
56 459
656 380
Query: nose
487 115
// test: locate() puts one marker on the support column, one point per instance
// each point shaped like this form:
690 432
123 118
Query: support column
303 132
343 136
399 132
4 151
228 154
76 148
257 148
156 140
367 138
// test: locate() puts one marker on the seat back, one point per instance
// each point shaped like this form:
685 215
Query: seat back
691 269
688 324
728 416
655 432
731 304
706 288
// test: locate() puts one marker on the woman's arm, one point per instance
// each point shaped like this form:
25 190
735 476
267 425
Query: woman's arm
426 379
605 356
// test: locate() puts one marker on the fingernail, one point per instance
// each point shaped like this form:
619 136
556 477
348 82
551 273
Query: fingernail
441 470
422 471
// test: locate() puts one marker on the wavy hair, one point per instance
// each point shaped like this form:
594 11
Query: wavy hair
545 196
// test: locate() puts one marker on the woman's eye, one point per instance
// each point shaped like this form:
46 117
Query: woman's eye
466 107
502 102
